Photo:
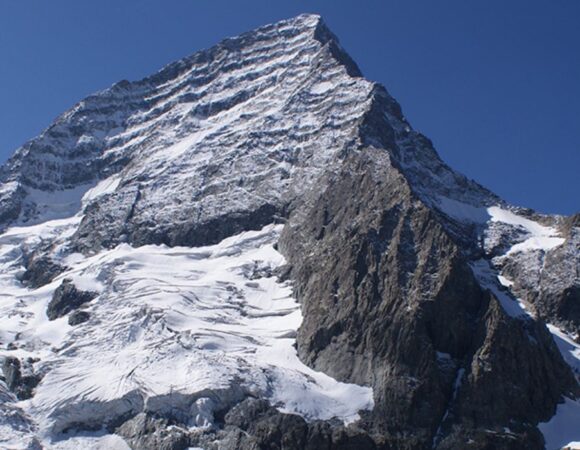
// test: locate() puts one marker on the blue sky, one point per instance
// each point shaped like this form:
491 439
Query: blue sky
494 84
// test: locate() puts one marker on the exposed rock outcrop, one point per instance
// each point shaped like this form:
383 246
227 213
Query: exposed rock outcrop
40 270
149 433
78 317
67 298
255 425
20 378
550 280
387 293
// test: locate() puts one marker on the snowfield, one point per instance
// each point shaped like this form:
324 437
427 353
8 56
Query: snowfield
180 330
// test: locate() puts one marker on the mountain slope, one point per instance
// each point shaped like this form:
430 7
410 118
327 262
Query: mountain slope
169 225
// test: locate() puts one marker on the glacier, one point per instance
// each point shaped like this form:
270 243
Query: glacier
182 330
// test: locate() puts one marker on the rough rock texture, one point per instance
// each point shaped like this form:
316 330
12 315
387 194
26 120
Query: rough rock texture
13 418
252 424
40 270
67 298
407 271
146 432
198 146
78 317
20 380
255 425
551 280
387 293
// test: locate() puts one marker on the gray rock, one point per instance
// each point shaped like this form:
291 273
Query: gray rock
530 439
67 298
245 413
78 317
145 432
550 280
20 380
385 288
254 425
40 270
10 205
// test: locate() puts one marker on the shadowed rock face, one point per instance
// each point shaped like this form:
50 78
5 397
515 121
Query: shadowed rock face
78 317
20 380
67 298
390 300
40 270
254 425
278 125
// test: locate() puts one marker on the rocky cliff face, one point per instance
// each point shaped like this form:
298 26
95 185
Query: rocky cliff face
186 213
390 300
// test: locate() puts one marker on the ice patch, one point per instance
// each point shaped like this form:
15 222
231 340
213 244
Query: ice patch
540 236
503 215
53 205
537 243
8 188
569 349
91 441
104 187
488 279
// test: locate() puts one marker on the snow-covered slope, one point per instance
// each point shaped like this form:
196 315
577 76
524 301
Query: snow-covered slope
157 206
243 128
187 331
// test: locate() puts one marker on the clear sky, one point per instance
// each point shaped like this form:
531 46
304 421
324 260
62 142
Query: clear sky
495 84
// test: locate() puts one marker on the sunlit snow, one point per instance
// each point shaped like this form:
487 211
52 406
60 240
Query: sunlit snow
171 327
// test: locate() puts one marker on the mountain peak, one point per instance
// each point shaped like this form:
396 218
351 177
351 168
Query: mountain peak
288 79
254 200
306 26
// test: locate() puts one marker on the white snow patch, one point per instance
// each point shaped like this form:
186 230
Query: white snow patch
506 216
504 281
7 188
569 349
54 205
106 186
91 441
541 237
537 243
321 88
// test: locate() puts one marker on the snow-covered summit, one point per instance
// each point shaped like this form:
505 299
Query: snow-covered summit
146 219
230 129
241 130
